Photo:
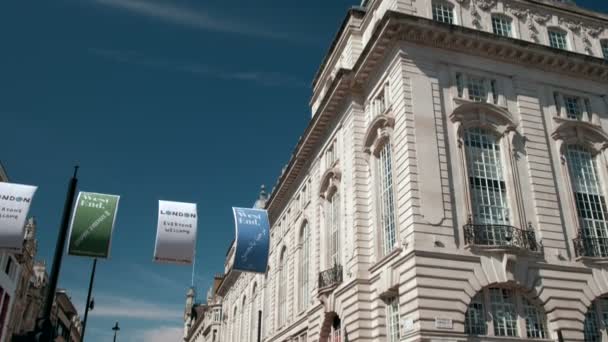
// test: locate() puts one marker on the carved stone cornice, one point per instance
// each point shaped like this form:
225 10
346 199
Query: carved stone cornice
570 132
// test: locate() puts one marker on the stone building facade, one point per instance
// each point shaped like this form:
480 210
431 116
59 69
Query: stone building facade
451 184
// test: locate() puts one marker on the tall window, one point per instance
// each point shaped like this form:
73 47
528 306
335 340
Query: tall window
573 107
486 180
500 308
386 198
234 329
333 224
443 12
477 89
253 314
590 200
501 25
283 288
304 262
558 39
598 309
243 327
392 318
4 302
605 48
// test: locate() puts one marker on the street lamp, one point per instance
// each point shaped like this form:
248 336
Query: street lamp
116 329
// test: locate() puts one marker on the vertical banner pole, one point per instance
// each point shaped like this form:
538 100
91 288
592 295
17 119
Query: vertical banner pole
193 265
259 325
45 325
88 303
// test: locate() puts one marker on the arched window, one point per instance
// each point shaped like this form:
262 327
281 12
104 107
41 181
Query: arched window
243 327
333 228
386 199
590 201
599 308
502 25
443 11
499 311
234 330
304 267
486 180
253 314
282 319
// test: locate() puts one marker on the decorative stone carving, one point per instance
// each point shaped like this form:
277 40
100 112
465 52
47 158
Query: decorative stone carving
485 5
572 25
520 13
476 17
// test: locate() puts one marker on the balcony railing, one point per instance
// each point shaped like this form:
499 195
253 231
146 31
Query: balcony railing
500 236
595 247
331 277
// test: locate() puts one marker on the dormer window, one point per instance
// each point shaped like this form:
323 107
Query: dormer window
558 39
605 48
443 12
501 25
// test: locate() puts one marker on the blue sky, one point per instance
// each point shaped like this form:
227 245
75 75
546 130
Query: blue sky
193 101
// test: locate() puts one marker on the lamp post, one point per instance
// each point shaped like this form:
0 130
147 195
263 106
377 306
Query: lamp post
116 329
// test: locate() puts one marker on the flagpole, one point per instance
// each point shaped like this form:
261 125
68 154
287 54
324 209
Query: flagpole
88 303
44 329
193 267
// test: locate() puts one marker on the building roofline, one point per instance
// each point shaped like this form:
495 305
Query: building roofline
362 10
397 18
353 11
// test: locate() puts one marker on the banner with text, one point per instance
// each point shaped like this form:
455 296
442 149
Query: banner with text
92 225
252 240
176 233
15 200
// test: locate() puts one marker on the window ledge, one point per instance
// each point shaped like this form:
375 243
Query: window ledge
593 260
461 101
503 249
560 119
386 259
486 338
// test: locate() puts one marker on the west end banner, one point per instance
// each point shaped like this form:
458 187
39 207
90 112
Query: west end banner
15 200
252 240
176 233
92 225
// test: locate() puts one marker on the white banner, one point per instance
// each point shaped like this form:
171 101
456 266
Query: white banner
176 233
15 201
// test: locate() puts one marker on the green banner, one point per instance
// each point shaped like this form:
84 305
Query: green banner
92 225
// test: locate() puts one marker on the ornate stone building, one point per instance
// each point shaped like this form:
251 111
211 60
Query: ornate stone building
451 184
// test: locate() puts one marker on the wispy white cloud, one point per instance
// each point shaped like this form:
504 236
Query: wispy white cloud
264 78
113 306
160 334
190 17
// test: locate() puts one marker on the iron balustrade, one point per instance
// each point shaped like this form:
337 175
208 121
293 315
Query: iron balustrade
500 236
595 247
330 277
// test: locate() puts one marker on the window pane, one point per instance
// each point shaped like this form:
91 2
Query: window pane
535 320
605 49
501 26
592 332
475 323
504 312
304 262
558 40
443 12
573 107
590 202
487 183
477 89
333 221
386 196
392 317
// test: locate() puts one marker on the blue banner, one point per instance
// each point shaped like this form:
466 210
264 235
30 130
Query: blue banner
252 240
